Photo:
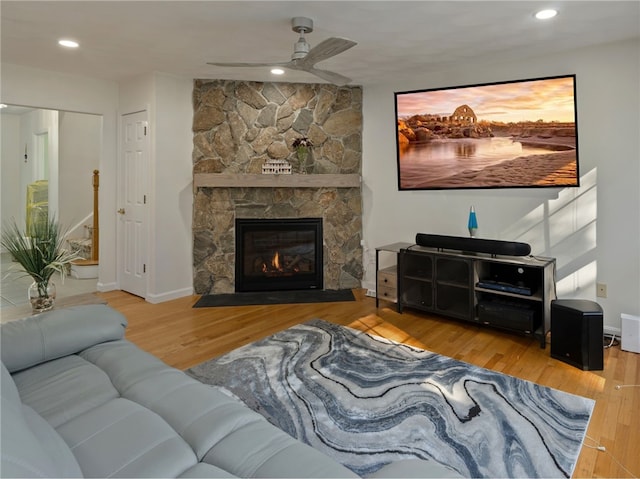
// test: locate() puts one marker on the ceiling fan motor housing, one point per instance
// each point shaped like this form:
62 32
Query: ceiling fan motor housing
301 25
300 49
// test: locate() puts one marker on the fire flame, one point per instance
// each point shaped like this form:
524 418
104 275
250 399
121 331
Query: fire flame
275 264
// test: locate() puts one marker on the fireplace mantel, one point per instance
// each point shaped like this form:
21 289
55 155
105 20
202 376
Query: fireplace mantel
243 180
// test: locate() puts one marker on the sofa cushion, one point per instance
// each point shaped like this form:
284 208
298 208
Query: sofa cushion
58 333
222 431
64 388
259 449
123 439
145 379
30 446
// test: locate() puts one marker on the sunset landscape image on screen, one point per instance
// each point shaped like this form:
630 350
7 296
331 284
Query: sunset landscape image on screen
511 134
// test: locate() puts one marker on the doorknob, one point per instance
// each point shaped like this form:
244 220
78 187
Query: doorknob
121 211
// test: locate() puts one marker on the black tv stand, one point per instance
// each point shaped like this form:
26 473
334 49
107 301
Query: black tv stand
513 293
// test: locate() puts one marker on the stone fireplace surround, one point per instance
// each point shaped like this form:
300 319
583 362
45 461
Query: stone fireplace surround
237 126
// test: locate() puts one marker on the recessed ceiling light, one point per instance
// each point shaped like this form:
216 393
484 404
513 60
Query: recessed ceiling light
546 14
68 43
277 71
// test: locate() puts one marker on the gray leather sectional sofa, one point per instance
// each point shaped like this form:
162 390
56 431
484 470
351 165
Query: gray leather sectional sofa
78 400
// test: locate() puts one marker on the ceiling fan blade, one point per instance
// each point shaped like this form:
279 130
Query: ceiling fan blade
304 59
239 64
327 49
331 77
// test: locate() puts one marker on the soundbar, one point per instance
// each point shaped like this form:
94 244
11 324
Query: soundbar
473 245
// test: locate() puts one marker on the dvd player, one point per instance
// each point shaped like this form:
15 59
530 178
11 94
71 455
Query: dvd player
506 287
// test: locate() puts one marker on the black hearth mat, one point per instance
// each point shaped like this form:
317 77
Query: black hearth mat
274 297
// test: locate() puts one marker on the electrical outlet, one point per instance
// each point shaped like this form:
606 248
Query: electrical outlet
601 290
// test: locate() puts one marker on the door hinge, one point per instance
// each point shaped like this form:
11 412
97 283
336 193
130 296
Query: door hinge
144 199
145 130
144 268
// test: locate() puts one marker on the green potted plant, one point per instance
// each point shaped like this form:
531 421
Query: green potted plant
40 253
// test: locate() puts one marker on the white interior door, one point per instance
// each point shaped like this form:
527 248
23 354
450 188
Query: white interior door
133 224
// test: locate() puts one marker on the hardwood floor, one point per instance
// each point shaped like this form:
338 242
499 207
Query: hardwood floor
183 337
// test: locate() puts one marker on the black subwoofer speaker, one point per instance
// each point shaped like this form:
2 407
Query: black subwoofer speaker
577 333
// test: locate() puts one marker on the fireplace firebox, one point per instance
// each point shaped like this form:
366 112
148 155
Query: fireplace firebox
278 254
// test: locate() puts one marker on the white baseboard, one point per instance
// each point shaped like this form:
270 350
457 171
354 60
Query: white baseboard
104 287
168 296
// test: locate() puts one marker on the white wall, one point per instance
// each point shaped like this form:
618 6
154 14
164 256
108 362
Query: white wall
28 86
173 180
592 231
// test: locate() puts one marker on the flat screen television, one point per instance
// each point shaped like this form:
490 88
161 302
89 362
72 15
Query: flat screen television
512 134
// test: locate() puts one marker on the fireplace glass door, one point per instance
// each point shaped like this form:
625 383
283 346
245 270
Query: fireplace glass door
278 254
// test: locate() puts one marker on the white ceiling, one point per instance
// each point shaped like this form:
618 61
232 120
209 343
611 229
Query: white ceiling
121 39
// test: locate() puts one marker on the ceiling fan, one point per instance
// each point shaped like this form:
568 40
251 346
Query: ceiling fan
304 57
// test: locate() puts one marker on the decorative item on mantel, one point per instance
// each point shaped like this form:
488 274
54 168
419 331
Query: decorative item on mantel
303 148
473 222
276 167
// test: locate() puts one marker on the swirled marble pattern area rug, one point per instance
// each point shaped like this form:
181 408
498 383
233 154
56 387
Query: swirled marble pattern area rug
367 401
